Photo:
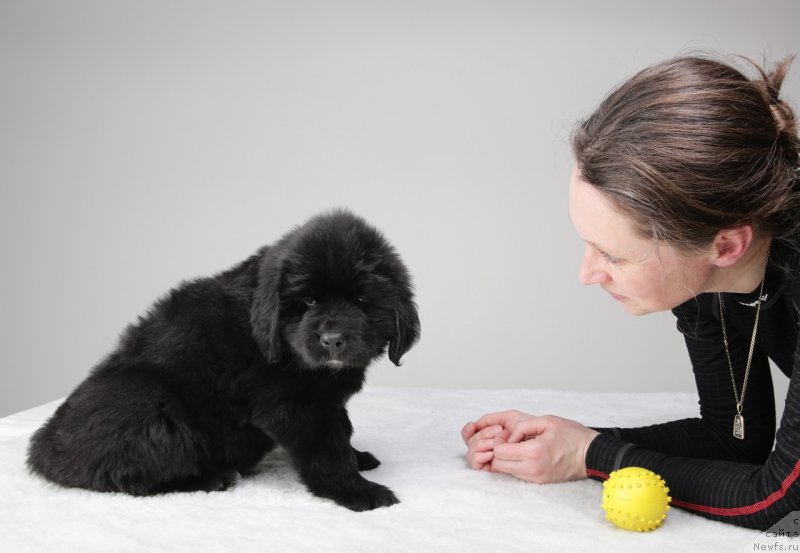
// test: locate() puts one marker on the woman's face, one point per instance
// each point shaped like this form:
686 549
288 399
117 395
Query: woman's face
643 276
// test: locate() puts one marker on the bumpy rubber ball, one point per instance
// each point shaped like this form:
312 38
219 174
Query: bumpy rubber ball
635 499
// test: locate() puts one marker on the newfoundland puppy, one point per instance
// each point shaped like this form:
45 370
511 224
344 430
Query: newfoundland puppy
223 368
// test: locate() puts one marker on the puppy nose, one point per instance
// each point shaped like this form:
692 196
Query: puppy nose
333 341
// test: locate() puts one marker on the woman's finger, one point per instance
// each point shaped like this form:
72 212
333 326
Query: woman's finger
468 431
477 460
503 419
515 452
527 429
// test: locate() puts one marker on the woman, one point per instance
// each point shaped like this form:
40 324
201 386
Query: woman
687 194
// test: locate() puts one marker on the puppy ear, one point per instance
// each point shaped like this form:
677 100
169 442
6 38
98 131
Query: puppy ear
406 331
265 308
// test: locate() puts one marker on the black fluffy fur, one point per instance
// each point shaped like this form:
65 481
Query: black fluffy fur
222 368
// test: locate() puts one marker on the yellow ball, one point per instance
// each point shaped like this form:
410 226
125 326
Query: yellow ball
635 499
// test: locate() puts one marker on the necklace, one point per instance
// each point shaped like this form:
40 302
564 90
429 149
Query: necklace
738 419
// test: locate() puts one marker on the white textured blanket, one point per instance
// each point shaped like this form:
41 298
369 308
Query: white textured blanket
415 433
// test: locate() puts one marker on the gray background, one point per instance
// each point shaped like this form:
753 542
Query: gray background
146 142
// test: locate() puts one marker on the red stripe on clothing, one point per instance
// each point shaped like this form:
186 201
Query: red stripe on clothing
749 509
597 473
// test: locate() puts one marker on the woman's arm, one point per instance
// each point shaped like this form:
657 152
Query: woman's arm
711 435
707 470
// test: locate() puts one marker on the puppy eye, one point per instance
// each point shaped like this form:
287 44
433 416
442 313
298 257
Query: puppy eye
361 299
310 301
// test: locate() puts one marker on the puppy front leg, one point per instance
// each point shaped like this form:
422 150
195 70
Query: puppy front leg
329 465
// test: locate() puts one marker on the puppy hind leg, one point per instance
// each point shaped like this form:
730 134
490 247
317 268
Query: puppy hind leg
101 448
236 455
210 482
149 472
161 451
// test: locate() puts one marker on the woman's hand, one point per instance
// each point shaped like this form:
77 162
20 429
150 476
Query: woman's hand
534 449
481 444
484 434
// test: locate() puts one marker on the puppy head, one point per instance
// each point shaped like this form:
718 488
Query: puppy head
336 293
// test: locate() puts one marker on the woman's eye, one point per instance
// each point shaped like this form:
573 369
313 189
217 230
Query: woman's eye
610 258
310 301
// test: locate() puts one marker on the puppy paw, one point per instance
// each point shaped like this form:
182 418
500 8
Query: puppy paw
210 482
216 482
366 460
366 497
227 479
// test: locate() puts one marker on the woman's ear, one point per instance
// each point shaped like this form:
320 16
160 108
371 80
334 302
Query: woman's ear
730 245
265 307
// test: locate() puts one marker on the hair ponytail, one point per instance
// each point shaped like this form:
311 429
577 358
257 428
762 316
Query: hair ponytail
691 145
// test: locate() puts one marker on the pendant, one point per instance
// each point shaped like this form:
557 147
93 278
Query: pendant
738 426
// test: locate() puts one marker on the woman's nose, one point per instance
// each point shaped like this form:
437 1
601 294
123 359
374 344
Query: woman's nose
591 269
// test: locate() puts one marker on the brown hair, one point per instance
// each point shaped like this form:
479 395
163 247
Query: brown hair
690 146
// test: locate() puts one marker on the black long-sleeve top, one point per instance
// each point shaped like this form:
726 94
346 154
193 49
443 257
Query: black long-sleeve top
708 470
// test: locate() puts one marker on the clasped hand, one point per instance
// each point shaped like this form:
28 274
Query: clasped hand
535 449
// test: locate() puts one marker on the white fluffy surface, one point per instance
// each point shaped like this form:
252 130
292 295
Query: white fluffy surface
416 434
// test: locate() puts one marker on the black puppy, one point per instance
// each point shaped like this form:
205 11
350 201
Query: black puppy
200 388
